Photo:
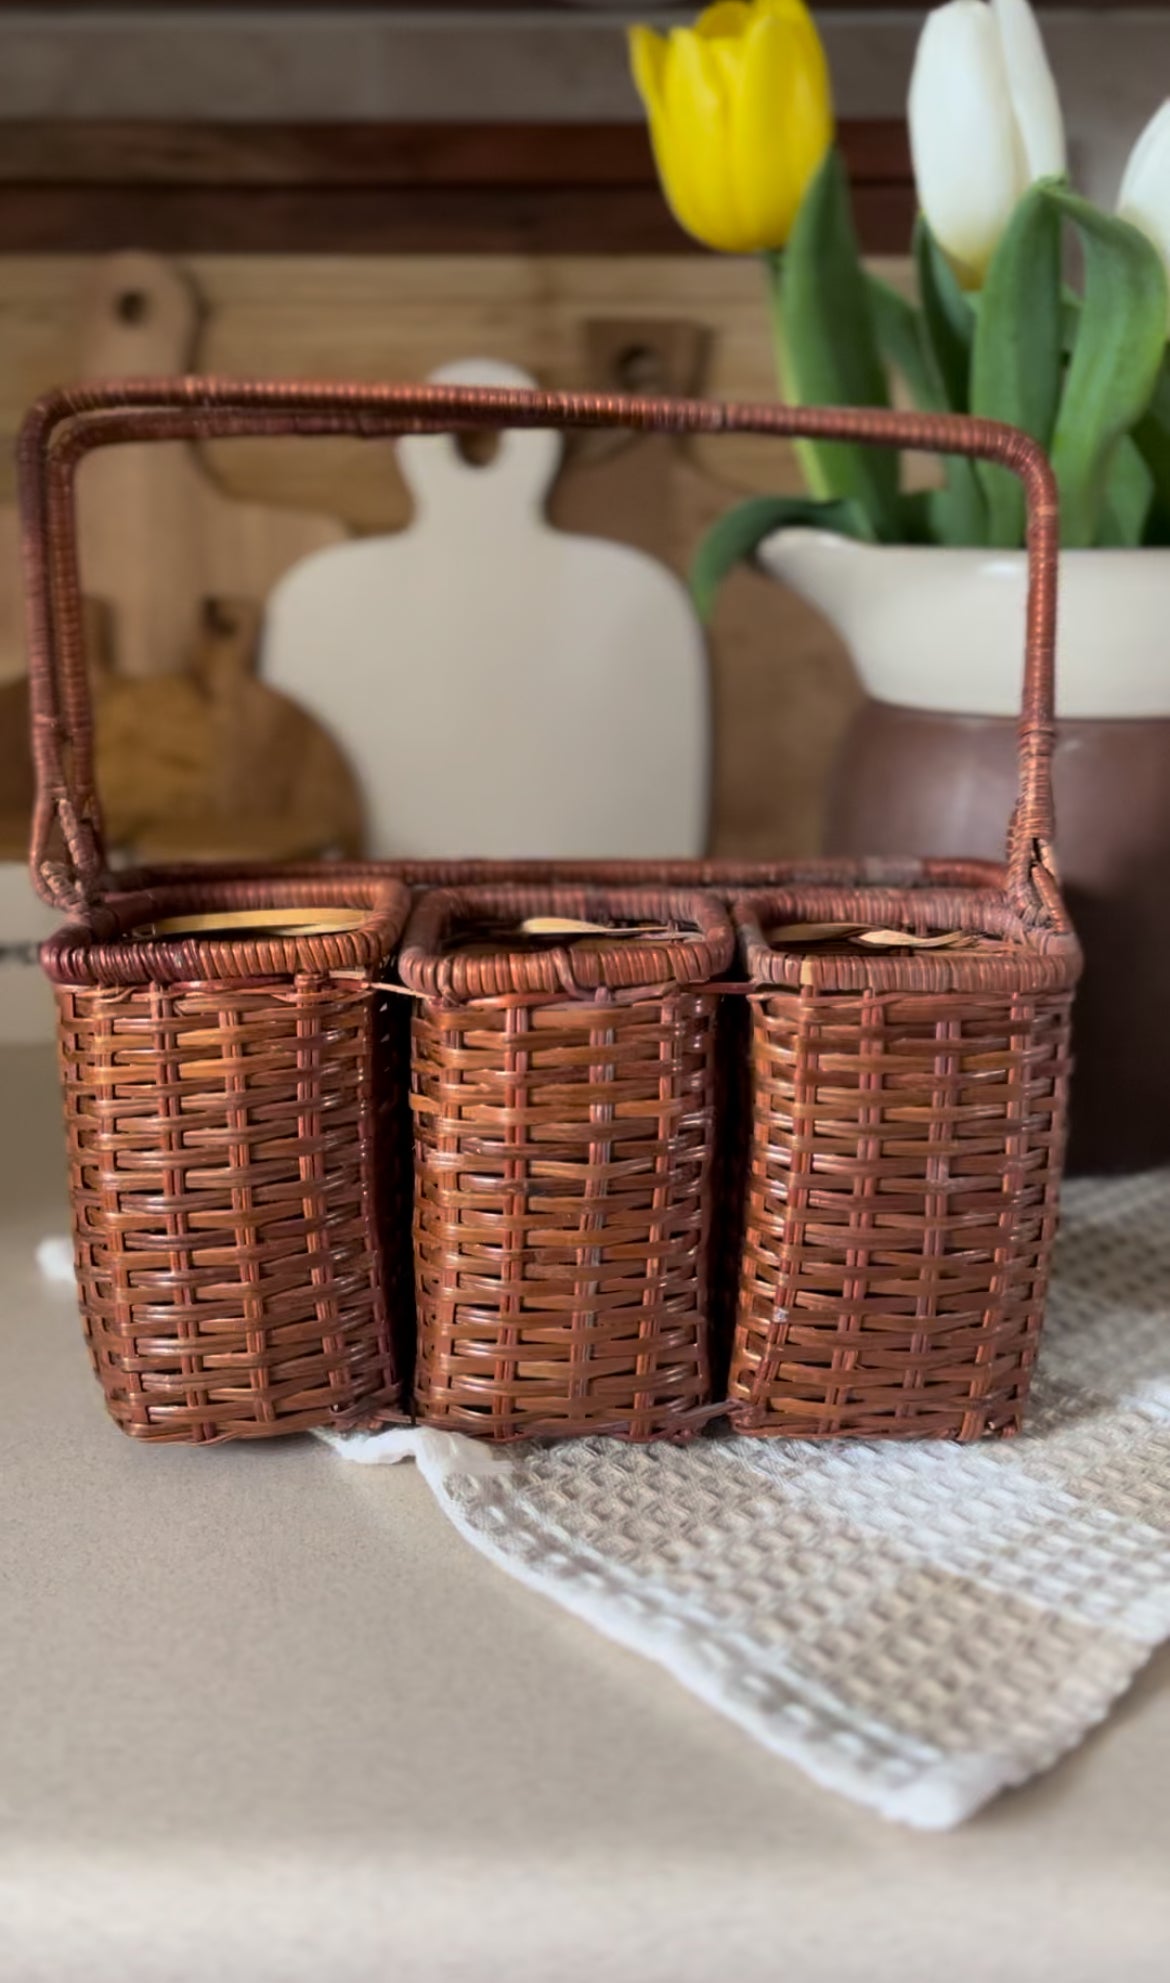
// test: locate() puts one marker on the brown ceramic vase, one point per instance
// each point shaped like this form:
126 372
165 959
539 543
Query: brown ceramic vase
915 781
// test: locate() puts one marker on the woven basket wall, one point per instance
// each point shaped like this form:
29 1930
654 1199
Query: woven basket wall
226 1114
564 1112
907 1135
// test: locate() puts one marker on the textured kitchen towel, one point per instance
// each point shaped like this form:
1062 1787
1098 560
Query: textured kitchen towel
916 1626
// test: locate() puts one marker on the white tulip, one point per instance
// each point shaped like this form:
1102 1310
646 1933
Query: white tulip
984 123
1144 199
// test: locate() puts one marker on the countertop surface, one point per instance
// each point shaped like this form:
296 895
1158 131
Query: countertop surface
266 1717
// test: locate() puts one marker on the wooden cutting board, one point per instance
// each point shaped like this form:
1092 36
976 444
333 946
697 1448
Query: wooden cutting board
783 687
502 688
158 537
12 661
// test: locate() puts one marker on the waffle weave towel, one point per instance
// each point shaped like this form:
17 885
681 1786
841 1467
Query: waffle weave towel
916 1626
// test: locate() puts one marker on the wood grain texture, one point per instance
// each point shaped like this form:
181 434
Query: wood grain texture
783 687
11 610
377 188
209 762
399 316
159 538
76 152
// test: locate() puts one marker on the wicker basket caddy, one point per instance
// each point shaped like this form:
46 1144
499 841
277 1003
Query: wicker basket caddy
237 1076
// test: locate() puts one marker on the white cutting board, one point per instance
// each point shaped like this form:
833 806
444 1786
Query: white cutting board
501 688
158 536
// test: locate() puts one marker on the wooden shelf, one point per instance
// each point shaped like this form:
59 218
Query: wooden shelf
71 186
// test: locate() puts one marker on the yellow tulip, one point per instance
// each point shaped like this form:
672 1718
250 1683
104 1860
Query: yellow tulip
740 118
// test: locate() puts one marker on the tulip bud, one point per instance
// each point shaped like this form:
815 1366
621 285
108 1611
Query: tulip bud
740 118
984 124
1144 199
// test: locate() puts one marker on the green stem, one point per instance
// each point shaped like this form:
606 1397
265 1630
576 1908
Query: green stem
811 468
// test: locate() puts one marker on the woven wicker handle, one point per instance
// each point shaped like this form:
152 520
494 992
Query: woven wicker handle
67 856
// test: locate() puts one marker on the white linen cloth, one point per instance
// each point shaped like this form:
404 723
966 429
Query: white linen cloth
916 1626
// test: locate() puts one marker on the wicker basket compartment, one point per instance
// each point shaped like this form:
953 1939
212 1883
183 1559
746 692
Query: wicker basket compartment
906 1140
564 1107
225 1114
907 1110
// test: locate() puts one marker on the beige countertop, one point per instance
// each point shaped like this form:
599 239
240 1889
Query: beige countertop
266 1717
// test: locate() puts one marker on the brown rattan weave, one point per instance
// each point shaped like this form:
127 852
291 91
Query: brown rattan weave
907 1133
906 1110
564 1109
224 1114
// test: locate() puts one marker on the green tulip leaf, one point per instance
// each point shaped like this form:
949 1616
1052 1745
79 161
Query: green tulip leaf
828 349
920 520
899 332
948 317
740 532
1016 361
957 513
1115 362
958 510
1129 492
1152 437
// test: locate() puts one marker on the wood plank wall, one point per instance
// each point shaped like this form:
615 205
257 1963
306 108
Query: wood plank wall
783 688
